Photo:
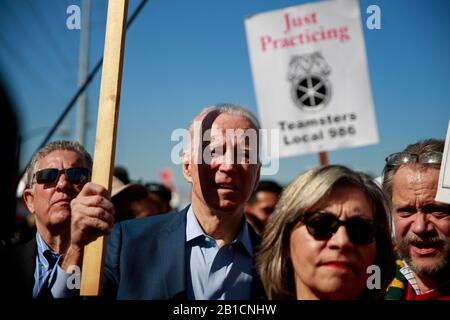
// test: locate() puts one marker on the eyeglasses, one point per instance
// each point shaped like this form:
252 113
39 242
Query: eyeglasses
322 226
399 158
73 175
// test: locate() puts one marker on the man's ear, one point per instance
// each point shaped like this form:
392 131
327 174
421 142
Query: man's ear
187 173
28 197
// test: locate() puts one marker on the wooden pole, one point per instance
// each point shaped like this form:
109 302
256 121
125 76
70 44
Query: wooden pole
323 157
105 140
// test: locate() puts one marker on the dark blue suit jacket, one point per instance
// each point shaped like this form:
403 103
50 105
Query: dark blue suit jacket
17 265
145 259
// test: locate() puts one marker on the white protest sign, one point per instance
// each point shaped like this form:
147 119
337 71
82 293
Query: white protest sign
311 77
443 191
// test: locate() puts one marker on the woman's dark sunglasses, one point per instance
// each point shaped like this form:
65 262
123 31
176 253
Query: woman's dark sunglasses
322 226
73 175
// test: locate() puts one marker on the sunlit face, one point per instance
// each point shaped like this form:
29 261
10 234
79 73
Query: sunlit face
422 224
225 181
50 203
335 268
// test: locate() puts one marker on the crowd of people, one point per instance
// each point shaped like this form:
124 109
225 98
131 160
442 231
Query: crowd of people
331 234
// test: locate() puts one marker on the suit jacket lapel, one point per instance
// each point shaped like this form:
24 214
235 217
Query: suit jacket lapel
24 264
257 287
30 263
173 240
173 255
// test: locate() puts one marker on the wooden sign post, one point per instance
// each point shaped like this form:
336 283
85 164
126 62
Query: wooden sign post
323 157
105 140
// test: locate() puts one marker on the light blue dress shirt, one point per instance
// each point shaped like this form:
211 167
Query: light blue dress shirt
46 260
48 274
217 273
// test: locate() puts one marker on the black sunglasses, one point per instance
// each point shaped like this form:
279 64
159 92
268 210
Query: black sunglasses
322 226
73 175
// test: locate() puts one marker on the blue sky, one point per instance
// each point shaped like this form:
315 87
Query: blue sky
182 55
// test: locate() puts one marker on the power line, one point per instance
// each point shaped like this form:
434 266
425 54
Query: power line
25 35
85 84
47 31
80 132
28 68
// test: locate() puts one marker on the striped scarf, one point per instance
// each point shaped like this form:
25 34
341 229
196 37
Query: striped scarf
404 286
397 289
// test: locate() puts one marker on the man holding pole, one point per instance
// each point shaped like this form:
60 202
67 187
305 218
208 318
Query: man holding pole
69 212
90 212
206 250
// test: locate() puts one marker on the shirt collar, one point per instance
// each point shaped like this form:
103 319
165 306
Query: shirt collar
194 230
46 255
409 275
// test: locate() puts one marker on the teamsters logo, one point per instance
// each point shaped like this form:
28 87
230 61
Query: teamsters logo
308 73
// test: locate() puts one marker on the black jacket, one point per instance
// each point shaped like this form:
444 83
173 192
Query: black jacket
17 268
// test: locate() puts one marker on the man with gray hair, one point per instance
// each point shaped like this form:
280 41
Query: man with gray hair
69 212
422 224
205 251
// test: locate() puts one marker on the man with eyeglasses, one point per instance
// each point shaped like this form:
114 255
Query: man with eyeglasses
422 224
69 212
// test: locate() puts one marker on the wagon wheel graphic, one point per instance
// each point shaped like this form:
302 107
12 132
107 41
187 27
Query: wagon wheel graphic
312 92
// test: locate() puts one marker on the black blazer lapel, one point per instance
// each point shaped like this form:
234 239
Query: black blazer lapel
29 262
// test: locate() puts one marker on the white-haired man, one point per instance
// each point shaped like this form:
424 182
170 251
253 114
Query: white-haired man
69 212
206 250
